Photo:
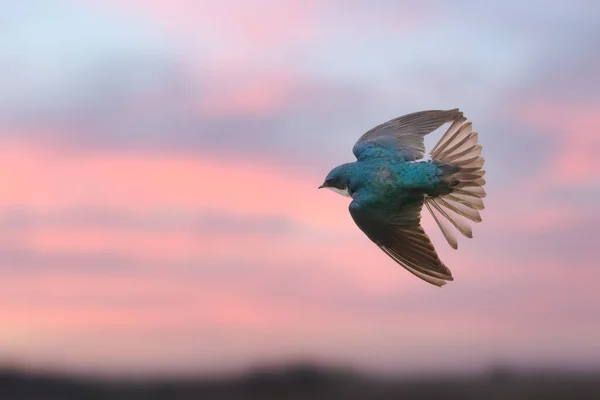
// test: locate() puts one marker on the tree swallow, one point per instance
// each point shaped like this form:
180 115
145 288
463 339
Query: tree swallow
389 187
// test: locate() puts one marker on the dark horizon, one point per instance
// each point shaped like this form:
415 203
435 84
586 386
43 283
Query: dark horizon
492 369
301 380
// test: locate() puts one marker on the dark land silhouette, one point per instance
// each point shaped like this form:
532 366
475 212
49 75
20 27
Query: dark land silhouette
306 382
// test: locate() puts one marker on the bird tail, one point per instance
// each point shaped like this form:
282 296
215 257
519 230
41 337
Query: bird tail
459 156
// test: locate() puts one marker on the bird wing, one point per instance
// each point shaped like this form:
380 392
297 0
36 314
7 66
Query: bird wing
400 235
404 134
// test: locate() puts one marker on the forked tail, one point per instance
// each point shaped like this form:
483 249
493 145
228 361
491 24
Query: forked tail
460 157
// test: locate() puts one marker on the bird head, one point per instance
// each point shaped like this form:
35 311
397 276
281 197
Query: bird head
337 180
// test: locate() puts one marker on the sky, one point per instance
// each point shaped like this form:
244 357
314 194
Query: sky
159 170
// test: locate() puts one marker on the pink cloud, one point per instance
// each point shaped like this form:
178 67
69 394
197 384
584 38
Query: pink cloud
575 129
319 283
54 180
48 182
257 96
165 245
243 25
138 303
521 210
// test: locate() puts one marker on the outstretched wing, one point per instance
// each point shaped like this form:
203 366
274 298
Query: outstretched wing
404 134
400 235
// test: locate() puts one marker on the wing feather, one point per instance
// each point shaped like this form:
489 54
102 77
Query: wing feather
400 235
405 134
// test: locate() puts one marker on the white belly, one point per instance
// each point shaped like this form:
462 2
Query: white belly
344 192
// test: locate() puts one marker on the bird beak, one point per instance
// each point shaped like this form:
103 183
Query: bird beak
321 187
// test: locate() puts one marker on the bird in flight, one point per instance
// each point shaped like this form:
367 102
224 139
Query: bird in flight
389 187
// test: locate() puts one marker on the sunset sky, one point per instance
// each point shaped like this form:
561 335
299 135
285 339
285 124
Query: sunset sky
159 167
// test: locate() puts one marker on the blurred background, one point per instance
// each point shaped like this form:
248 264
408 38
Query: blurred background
159 216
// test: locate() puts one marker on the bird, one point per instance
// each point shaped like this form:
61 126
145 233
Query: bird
390 183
